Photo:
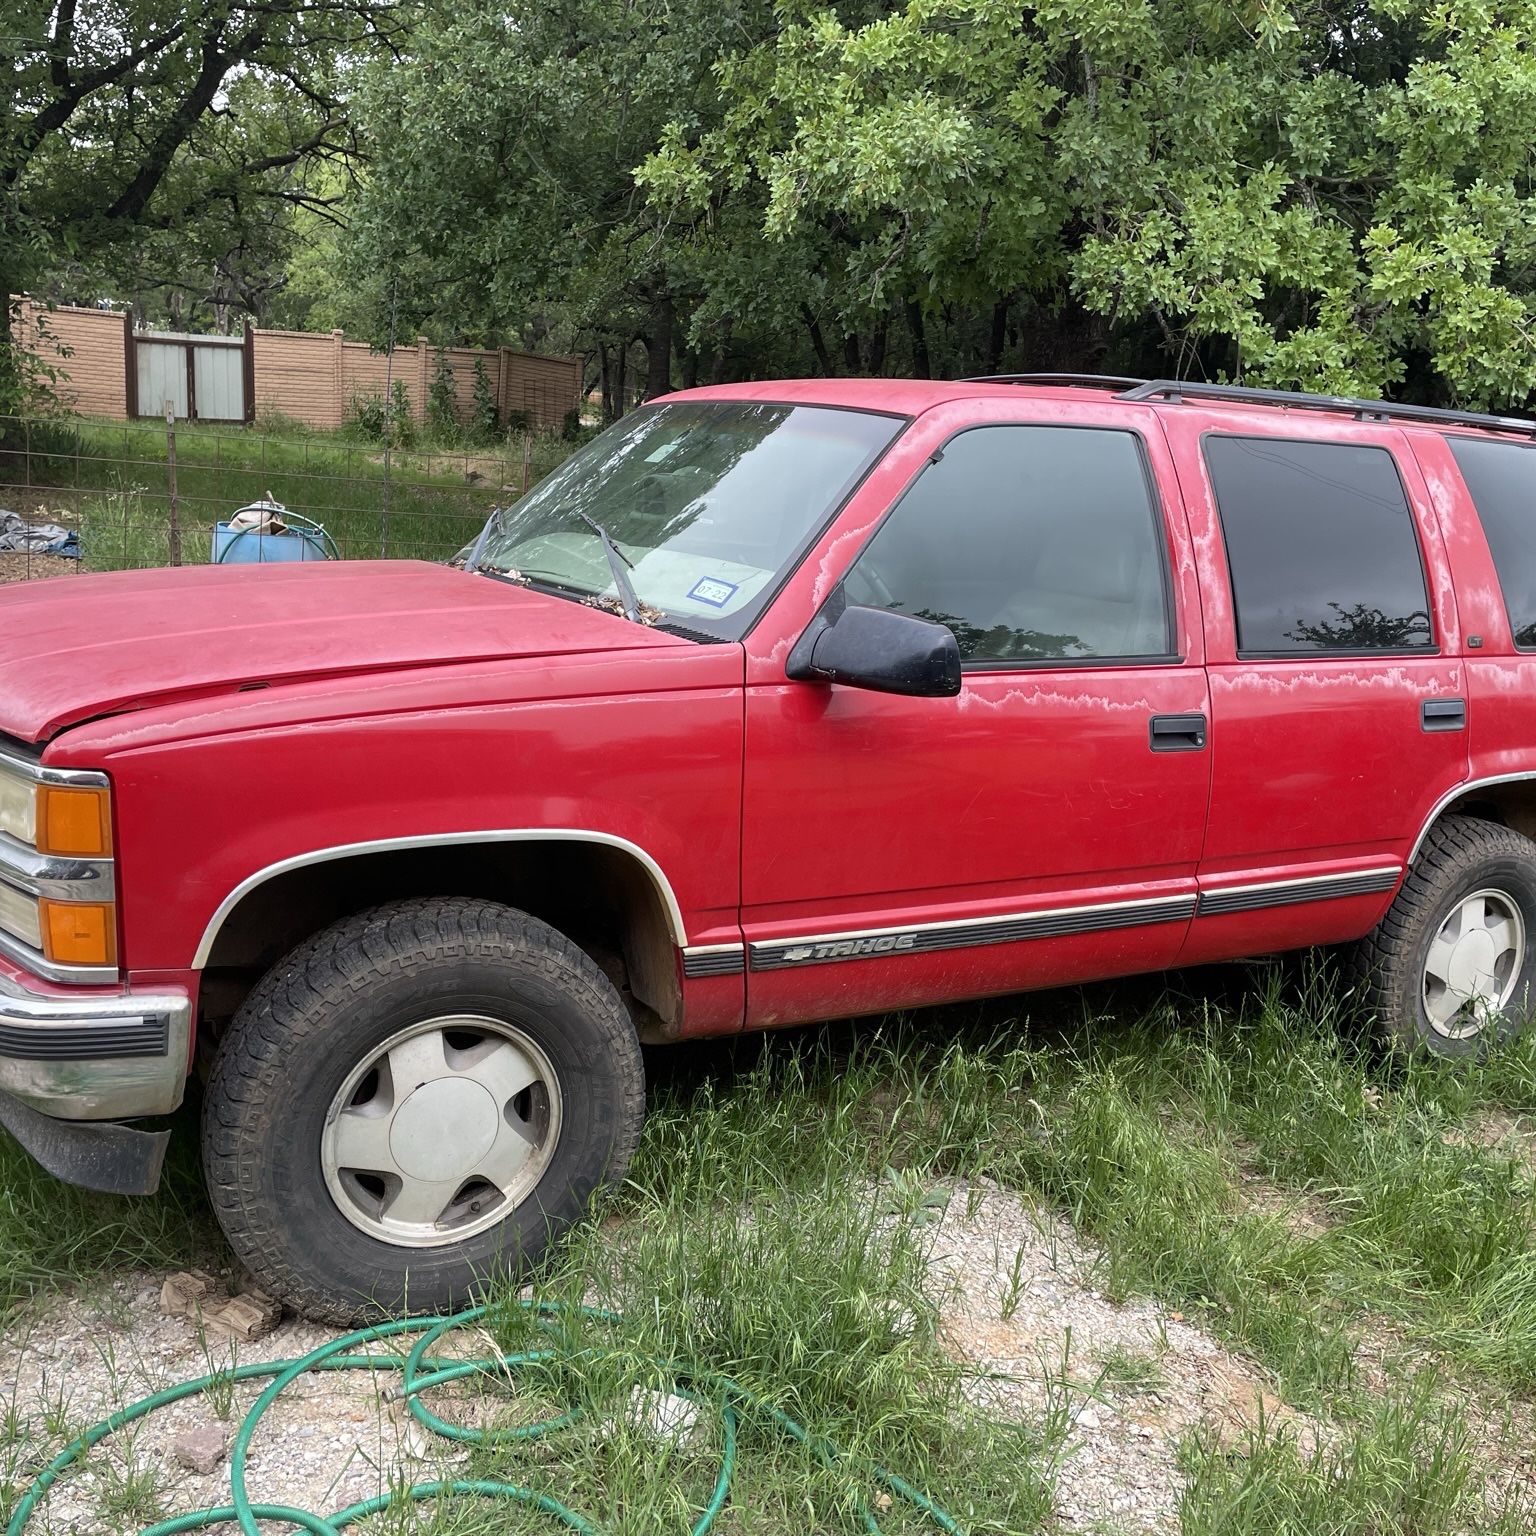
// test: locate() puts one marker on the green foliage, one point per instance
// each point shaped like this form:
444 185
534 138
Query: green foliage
442 400
1332 197
147 147
380 418
502 184
368 415
483 409
775 1226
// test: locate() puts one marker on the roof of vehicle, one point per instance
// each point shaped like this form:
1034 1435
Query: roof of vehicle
909 397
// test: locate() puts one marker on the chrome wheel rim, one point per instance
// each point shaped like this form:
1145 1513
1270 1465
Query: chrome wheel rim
1474 963
442 1131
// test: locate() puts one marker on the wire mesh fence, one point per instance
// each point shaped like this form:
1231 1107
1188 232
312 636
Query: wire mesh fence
115 488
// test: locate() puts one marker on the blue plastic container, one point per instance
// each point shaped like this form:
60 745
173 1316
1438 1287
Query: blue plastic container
233 546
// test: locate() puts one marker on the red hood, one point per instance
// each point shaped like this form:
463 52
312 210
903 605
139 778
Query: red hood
76 647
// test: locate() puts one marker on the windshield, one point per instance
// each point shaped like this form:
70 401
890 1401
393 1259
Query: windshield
708 501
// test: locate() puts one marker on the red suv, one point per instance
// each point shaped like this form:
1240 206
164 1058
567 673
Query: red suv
777 702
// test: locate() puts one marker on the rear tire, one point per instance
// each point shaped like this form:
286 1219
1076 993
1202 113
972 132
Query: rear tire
1451 968
414 1101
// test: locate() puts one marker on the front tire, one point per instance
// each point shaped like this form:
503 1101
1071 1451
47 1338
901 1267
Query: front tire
414 1101
1451 968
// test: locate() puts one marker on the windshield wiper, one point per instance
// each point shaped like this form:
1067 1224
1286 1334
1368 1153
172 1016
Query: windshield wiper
617 560
473 563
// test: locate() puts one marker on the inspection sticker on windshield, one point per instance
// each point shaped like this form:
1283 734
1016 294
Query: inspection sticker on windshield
713 591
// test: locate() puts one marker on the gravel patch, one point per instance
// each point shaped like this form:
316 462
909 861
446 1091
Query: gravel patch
1020 1302
1018 1299
327 1441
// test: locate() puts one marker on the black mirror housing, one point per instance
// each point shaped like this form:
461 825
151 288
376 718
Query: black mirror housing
881 650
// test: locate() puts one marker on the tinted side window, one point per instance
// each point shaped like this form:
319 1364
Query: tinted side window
1502 480
1031 544
1321 547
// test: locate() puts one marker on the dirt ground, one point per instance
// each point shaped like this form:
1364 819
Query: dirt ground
1018 1302
23 566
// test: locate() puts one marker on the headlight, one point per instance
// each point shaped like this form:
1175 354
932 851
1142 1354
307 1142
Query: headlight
18 805
20 914
58 907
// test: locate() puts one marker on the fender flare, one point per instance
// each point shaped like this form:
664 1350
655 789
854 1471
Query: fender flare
444 840
1457 792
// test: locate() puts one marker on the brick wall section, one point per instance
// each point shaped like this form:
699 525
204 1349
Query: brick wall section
315 379
307 375
297 374
86 347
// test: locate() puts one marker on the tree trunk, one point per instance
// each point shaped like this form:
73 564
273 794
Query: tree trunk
818 341
851 353
658 350
878 343
691 368
922 367
999 335
605 372
10 363
618 382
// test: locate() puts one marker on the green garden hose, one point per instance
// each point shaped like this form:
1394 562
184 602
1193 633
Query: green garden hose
419 1372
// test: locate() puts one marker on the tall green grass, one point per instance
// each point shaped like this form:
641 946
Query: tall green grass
773 1230
53 1235
111 482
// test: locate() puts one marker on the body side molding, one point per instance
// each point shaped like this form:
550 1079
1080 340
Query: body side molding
964 933
701 960
1285 893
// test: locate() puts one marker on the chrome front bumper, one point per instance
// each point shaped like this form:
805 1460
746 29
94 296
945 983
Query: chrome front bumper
94 1056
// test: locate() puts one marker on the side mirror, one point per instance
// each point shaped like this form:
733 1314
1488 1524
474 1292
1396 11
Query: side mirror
881 650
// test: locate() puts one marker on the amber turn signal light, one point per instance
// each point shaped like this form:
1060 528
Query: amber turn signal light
79 932
74 821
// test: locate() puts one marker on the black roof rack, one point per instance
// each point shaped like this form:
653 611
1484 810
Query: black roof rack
1079 380
1363 410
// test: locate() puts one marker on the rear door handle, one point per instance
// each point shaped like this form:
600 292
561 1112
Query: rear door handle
1443 715
1177 733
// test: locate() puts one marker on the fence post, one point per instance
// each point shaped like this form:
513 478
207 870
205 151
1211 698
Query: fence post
338 379
173 530
248 372
130 368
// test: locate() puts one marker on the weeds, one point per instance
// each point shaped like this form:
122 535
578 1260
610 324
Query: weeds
1127 1371
1013 1290
1407 1466
128 1491
52 1233
776 1226
220 1395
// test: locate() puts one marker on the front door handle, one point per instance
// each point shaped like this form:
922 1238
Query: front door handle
1177 733
1443 715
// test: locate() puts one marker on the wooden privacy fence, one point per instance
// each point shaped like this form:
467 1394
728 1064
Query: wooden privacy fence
107 369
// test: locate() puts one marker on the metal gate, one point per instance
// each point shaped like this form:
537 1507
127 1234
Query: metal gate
201 378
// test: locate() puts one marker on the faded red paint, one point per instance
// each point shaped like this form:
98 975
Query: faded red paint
402 700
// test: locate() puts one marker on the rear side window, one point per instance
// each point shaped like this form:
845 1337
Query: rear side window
1502 480
1321 546
1032 543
